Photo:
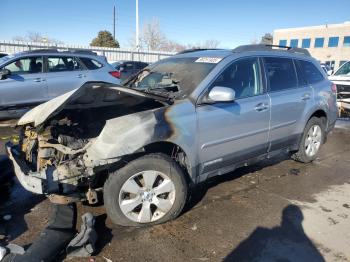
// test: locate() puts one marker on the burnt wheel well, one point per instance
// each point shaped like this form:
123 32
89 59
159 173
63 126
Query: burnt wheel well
175 152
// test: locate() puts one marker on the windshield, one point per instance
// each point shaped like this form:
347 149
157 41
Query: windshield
344 70
174 75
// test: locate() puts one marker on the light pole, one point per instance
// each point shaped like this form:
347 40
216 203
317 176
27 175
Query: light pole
137 25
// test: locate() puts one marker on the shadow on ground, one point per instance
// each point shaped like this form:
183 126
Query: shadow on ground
287 242
198 192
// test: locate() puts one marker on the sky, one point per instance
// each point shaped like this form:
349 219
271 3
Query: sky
186 21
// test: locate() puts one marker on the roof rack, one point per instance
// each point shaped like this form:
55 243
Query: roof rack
262 47
195 50
67 50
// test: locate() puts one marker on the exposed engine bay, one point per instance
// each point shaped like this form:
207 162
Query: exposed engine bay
56 149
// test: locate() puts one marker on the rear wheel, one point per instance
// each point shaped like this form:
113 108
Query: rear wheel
312 139
149 190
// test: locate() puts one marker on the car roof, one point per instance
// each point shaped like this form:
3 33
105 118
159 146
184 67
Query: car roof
84 53
259 49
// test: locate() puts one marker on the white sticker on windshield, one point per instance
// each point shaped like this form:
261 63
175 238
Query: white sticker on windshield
211 60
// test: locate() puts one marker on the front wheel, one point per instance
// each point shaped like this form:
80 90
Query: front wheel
311 141
149 190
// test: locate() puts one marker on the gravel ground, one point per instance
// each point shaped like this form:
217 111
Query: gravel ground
275 210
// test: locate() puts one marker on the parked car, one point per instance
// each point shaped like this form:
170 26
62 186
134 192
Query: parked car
342 80
128 68
186 118
2 55
30 78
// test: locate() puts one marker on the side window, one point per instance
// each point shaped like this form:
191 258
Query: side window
280 73
61 64
91 64
243 76
28 65
302 80
310 72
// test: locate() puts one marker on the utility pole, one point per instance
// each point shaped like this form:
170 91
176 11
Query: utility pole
114 22
137 25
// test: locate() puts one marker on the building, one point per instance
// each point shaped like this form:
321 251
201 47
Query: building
329 44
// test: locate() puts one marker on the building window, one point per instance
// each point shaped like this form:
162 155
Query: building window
333 41
347 41
306 43
283 43
319 42
294 42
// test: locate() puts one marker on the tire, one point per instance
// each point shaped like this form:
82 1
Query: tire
302 154
127 189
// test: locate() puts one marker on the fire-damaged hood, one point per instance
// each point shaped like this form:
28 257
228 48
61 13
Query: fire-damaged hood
80 98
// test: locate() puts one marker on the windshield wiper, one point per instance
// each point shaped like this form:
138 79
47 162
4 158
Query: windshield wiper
167 88
154 95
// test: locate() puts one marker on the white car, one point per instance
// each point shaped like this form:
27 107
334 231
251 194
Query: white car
342 79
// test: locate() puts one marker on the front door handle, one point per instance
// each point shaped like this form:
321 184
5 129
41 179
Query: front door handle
261 107
306 96
81 76
38 79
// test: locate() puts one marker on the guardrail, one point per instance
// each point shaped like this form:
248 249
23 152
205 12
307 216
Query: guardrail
112 54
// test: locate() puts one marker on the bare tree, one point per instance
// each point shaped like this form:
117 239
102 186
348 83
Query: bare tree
152 37
37 37
211 43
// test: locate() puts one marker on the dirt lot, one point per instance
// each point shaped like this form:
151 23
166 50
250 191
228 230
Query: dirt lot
278 210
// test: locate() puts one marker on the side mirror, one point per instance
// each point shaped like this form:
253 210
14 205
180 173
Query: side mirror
4 73
330 72
221 94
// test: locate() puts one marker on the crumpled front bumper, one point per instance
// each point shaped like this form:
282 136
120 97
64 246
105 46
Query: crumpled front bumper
31 181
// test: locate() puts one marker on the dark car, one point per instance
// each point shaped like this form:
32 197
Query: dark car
128 68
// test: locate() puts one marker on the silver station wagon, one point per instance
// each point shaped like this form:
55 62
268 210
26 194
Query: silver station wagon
198 114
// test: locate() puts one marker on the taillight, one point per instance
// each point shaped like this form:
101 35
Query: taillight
116 74
334 88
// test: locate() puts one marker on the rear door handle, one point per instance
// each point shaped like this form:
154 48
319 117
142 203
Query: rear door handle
38 79
81 75
306 97
261 107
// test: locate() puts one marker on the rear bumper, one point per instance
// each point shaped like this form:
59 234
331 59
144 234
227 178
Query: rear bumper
31 181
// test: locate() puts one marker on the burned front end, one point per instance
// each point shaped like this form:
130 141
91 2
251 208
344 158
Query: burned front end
68 143
50 158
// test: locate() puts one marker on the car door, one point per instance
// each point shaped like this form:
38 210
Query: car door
63 74
231 133
26 85
289 99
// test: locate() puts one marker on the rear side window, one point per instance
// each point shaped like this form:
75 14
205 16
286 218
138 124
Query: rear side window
91 64
280 73
62 64
309 72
